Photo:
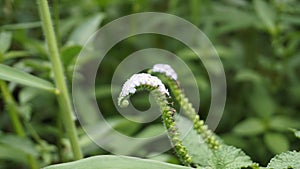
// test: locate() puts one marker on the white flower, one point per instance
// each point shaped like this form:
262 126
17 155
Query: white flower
129 87
165 69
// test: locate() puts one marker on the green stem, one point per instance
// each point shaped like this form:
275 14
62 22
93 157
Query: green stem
194 8
168 119
12 109
190 111
59 78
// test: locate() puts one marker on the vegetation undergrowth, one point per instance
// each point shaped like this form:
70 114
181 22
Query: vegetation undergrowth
258 43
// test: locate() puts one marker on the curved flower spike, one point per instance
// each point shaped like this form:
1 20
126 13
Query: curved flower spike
171 79
145 81
165 69
136 80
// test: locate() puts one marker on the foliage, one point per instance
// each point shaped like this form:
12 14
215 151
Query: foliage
258 42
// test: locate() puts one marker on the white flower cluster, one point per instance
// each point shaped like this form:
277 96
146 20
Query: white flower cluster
165 69
136 80
142 79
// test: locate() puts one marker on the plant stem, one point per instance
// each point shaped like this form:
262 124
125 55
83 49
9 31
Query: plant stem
59 78
12 109
168 113
189 111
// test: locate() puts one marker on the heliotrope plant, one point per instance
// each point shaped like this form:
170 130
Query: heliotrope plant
219 154
211 153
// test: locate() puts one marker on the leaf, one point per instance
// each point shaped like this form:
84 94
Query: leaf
261 101
81 34
277 143
249 127
266 14
287 160
68 54
25 25
193 142
5 41
297 133
248 75
116 162
10 153
232 18
15 54
18 76
283 123
229 157
18 143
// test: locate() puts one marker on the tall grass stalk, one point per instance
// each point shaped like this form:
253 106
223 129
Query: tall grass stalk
59 78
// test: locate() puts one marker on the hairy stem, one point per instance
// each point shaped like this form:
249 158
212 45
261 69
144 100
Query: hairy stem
189 111
168 120
59 78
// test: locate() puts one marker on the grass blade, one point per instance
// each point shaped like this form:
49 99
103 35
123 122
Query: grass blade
14 75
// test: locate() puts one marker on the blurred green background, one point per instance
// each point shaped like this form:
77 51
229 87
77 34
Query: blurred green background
258 42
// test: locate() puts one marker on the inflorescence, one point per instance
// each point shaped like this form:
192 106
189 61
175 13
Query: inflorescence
145 81
136 80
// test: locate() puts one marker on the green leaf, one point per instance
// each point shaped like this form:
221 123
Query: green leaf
287 160
248 75
266 14
116 162
15 54
229 157
193 142
250 127
297 133
232 18
10 153
68 54
25 25
283 123
261 102
81 34
5 41
18 76
277 143
21 144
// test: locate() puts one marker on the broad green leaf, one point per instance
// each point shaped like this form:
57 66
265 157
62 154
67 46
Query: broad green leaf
68 54
193 142
81 34
10 153
21 144
5 41
261 101
277 143
18 76
229 157
287 160
116 162
283 123
266 13
249 127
